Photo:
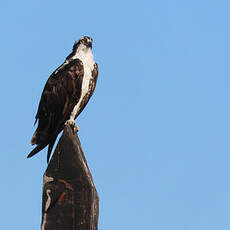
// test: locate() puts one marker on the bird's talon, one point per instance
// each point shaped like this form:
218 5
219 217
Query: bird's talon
73 125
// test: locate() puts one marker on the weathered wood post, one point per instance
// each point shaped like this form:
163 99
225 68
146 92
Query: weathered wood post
70 200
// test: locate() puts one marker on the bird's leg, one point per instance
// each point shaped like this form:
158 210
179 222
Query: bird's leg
72 124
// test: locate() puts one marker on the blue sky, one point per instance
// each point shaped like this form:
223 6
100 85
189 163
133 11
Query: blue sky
156 132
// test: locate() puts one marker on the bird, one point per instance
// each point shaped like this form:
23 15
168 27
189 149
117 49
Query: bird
65 95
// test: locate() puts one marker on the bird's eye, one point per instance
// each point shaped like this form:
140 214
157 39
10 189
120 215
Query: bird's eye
82 41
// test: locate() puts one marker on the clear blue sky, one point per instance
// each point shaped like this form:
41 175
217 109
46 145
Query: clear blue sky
156 132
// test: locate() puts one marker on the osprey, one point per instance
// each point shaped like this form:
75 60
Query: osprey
65 95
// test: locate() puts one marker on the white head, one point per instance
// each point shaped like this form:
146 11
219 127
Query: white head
82 50
84 42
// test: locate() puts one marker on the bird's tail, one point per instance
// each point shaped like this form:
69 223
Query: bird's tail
40 139
51 145
36 150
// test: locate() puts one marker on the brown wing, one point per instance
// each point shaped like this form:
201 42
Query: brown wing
92 86
61 93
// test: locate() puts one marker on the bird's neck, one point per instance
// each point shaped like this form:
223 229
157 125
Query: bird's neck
83 53
86 56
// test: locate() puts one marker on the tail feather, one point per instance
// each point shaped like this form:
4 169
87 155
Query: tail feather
36 150
51 145
41 140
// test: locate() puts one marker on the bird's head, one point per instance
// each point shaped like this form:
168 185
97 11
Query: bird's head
84 41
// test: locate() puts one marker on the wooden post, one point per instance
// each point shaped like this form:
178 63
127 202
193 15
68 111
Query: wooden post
70 200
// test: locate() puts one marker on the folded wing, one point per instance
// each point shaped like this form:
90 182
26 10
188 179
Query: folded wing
61 93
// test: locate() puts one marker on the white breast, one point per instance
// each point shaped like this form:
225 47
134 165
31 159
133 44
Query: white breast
86 56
